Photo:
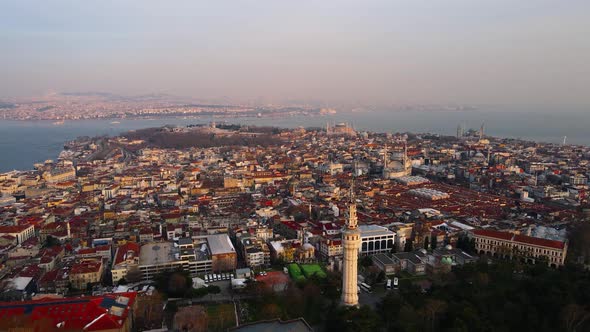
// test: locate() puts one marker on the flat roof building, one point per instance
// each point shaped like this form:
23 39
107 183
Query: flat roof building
375 239
157 257
223 254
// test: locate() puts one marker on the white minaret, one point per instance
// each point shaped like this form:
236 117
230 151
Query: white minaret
351 242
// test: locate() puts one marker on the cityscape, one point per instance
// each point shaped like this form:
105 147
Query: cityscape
278 166
246 211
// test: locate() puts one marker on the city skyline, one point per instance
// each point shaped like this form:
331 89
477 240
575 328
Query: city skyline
377 53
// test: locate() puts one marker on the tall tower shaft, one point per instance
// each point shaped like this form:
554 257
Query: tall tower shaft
351 242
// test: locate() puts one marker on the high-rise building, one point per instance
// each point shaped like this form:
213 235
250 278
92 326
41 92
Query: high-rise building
351 242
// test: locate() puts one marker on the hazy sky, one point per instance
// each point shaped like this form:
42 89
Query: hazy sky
353 52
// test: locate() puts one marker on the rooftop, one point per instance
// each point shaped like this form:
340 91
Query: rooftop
374 230
220 244
157 253
295 325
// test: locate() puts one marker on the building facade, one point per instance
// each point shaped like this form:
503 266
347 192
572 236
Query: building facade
528 248
375 239
351 243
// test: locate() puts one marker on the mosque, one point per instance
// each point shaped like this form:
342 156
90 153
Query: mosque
397 164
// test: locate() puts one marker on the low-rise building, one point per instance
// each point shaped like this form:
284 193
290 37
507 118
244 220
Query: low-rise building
126 258
528 248
375 239
411 262
86 272
20 232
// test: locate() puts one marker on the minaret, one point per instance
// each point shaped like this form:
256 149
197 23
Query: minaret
482 131
385 173
351 242
385 157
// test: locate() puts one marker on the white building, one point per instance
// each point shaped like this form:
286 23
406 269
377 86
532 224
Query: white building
20 232
375 239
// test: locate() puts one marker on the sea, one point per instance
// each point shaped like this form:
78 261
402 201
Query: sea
23 143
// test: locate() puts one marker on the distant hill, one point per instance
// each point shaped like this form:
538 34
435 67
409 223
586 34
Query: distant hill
164 138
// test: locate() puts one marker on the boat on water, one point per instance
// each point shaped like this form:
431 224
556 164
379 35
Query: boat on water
115 122
58 123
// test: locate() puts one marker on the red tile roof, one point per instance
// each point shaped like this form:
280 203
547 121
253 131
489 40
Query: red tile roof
539 241
529 240
85 267
97 313
122 251
493 234
13 229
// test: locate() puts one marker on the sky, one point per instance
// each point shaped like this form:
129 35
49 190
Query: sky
365 53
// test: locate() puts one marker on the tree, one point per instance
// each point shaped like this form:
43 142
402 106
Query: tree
366 261
433 242
191 319
352 319
50 241
574 316
134 274
389 309
409 246
212 290
270 311
174 283
432 308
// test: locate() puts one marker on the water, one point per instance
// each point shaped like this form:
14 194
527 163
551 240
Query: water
23 143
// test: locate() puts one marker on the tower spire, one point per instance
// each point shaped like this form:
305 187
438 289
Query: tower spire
351 243
352 218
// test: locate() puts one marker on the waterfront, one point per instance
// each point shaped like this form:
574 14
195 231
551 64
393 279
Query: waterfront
23 143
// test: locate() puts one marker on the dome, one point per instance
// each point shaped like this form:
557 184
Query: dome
446 261
308 246
449 247
396 165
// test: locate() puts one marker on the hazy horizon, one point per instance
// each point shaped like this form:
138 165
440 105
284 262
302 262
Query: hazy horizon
365 53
